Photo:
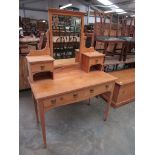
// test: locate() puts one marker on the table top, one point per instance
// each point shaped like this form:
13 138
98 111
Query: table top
69 81
124 76
37 59
27 39
109 39
93 54
129 39
115 39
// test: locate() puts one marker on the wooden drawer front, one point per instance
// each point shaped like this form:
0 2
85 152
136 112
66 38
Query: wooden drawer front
76 96
42 67
94 61
66 98
97 90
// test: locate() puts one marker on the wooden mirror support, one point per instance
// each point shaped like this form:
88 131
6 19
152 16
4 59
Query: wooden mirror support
40 63
45 51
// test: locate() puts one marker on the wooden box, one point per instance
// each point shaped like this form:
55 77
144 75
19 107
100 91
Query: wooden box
92 61
40 67
124 90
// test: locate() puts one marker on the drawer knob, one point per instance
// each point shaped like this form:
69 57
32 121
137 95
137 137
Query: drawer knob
96 60
53 101
42 67
91 90
75 95
107 86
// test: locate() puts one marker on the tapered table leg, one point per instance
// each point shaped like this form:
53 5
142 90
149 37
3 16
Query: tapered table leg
108 103
42 121
88 102
36 109
105 48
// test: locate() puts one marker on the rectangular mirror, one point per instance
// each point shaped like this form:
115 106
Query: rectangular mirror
66 32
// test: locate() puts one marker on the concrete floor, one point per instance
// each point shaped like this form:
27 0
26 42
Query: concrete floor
77 129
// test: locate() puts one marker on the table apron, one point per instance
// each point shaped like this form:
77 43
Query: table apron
76 96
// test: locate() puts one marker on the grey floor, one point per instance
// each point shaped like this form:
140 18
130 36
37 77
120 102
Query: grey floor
77 129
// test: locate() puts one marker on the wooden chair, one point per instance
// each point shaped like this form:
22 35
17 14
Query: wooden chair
108 29
128 31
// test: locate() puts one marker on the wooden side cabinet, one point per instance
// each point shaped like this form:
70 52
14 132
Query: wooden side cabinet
91 61
124 90
40 67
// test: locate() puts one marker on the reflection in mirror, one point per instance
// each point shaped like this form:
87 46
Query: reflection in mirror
66 36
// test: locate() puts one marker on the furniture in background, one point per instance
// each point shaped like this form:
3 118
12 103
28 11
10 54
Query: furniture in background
28 40
23 72
111 40
124 90
42 25
106 32
129 47
24 50
33 25
26 25
112 37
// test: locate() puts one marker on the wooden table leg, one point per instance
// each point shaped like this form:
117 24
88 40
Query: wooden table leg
114 49
36 109
42 121
122 52
126 49
105 48
108 103
88 102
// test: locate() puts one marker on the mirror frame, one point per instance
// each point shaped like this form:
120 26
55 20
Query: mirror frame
52 12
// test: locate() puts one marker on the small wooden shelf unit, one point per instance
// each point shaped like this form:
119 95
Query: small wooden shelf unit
40 67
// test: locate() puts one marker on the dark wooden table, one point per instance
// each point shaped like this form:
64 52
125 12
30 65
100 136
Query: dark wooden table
107 40
128 42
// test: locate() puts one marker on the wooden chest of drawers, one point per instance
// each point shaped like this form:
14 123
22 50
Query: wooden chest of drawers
124 90
40 64
90 60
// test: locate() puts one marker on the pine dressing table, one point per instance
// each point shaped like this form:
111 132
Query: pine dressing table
53 91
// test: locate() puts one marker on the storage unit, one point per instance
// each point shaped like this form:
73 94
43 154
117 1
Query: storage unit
124 90
92 61
40 67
